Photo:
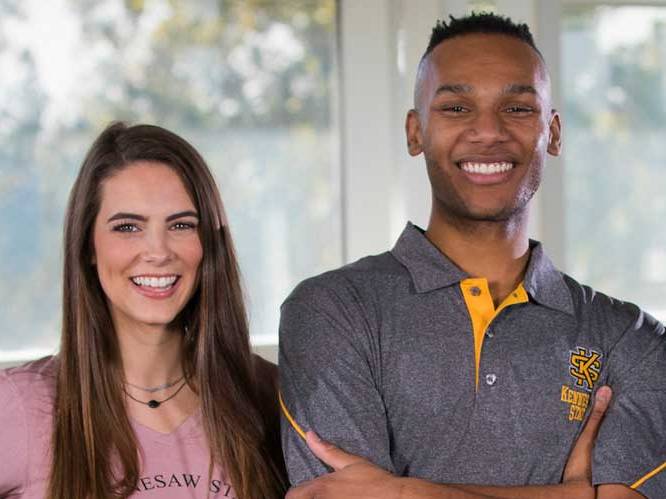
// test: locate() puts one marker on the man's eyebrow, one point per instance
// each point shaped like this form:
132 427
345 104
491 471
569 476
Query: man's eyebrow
133 216
454 88
517 88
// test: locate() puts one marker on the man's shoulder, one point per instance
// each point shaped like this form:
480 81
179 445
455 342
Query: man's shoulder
593 305
361 279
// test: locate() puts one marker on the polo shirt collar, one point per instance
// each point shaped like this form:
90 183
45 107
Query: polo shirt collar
544 283
430 270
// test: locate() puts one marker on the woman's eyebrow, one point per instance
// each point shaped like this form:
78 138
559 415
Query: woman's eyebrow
125 215
133 216
180 214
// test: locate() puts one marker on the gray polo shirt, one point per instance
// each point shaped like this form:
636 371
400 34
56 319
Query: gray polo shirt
379 358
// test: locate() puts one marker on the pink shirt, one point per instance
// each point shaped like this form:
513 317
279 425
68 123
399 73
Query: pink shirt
175 464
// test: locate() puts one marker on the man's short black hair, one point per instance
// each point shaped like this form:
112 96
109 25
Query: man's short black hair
481 22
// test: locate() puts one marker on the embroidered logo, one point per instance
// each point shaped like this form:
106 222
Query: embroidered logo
577 401
584 366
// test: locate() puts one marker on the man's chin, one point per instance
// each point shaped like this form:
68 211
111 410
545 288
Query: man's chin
493 215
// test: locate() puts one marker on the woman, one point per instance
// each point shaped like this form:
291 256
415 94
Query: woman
154 392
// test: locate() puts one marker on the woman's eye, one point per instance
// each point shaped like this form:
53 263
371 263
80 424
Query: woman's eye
183 226
125 228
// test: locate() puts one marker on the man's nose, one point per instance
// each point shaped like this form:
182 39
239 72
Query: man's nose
487 127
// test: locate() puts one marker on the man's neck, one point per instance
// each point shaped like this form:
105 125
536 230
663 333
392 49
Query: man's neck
497 251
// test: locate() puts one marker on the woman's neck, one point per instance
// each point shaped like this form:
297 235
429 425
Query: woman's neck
151 356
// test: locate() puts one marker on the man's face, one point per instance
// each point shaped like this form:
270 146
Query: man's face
484 124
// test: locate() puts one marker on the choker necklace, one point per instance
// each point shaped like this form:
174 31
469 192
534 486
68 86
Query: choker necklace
154 404
158 388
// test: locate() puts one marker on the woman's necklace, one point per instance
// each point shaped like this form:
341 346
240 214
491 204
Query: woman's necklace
158 388
154 404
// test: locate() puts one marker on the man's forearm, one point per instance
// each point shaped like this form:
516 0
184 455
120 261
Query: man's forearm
413 488
421 489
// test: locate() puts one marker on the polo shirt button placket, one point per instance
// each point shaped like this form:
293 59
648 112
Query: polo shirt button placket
491 379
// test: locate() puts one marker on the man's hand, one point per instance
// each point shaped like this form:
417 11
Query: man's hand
354 477
579 464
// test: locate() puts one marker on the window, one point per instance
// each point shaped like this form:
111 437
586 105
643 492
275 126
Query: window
614 93
252 84
255 85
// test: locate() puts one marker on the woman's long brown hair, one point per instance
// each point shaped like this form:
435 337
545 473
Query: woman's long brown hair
94 451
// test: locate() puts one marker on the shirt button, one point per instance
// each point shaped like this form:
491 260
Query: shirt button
491 379
490 333
475 291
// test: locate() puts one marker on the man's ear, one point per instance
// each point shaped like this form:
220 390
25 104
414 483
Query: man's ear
555 136
413 132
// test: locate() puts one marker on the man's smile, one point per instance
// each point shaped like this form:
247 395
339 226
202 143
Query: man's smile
483 168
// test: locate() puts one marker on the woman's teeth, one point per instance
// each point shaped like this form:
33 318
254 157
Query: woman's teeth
155 282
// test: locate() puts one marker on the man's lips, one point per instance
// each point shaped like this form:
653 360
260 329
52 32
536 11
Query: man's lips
486 172
486 168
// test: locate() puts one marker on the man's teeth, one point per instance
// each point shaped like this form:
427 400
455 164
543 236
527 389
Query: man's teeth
154 282
486 168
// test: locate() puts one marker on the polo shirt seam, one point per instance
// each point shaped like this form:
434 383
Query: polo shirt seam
642 359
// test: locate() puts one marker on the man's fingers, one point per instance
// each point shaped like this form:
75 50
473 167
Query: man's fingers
579 464
329 453
601 401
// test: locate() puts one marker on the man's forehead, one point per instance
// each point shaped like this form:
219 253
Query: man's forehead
475 54
508 89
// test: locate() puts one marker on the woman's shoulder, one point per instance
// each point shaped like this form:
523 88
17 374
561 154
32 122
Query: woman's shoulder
36 378
26 399
27 393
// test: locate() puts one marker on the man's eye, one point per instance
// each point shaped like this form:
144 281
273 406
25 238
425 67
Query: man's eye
519 109
125 228
455 109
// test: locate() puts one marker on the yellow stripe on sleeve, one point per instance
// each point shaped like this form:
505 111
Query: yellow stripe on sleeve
652 473
291 420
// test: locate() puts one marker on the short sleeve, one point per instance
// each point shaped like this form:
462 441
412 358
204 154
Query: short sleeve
328 380
13 439
631 445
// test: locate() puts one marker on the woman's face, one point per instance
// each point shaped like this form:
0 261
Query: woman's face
146 245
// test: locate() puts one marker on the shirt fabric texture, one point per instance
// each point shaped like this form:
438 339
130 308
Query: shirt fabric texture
173 465
378 357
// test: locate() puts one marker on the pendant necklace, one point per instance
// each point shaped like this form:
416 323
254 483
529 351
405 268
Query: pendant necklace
154 404
158 388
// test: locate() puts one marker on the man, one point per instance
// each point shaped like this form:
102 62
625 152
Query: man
462 356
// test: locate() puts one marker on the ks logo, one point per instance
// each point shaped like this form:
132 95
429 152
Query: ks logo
585 366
